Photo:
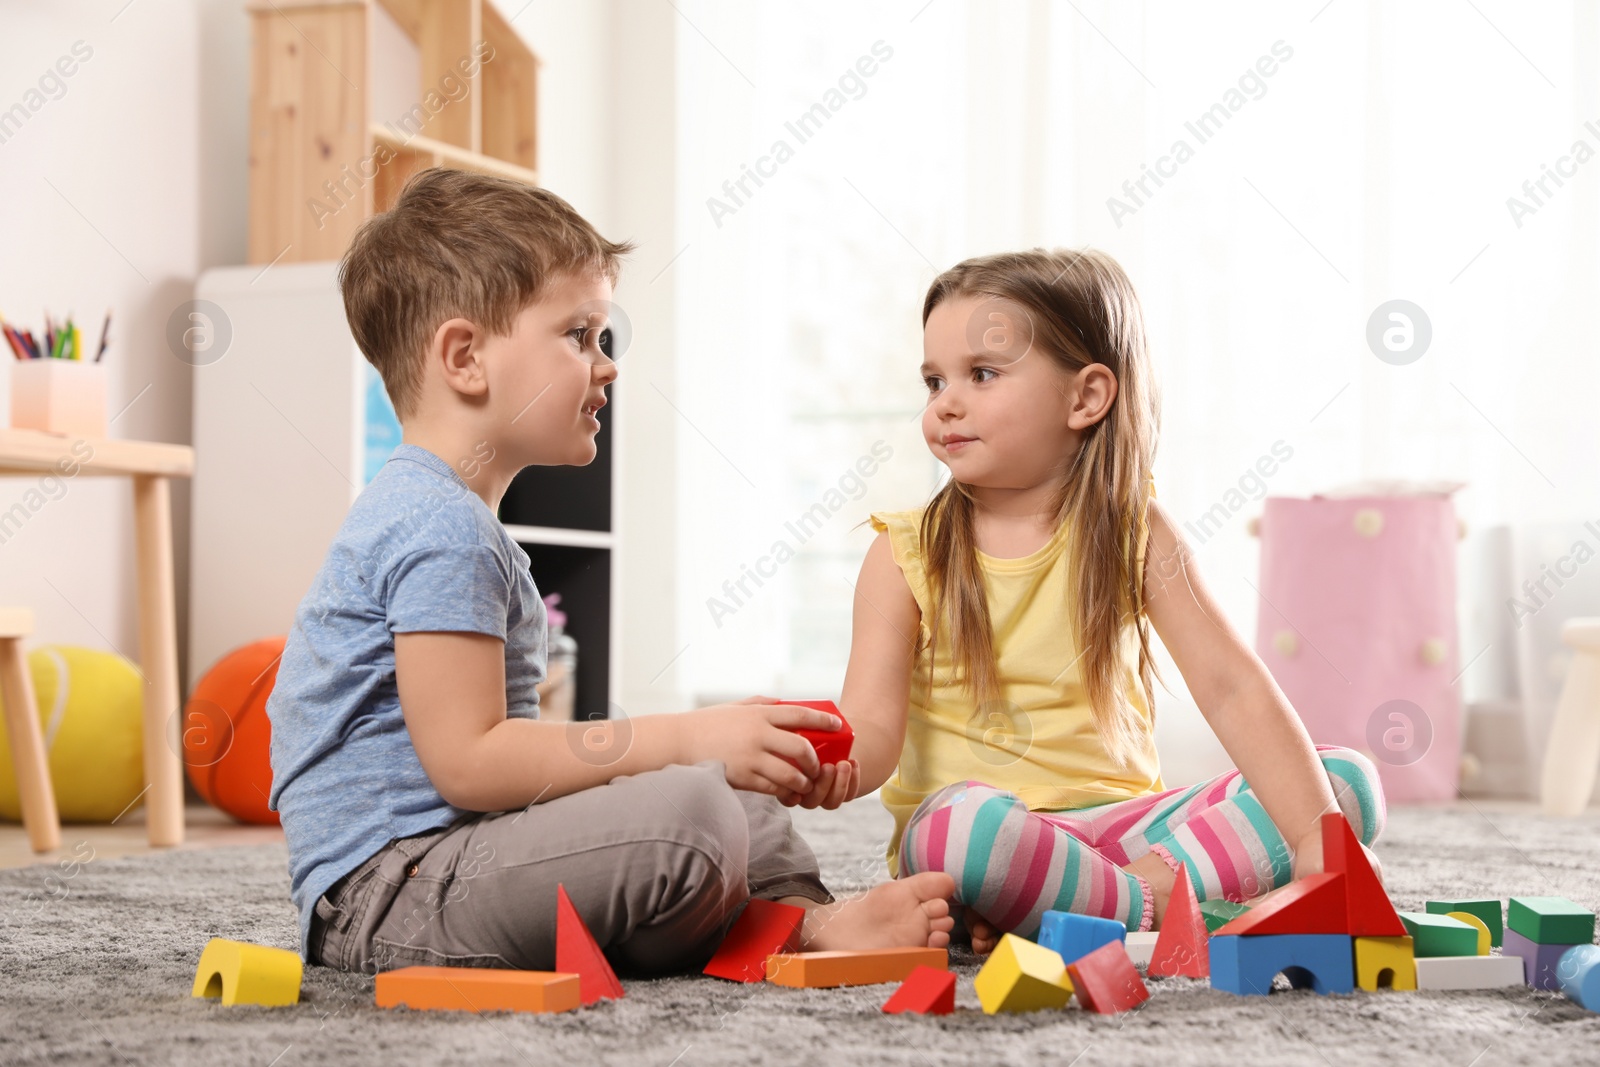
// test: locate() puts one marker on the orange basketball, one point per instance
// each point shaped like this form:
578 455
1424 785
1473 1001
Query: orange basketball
226 732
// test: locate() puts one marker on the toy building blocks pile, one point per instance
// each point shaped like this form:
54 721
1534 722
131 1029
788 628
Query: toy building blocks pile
1331 932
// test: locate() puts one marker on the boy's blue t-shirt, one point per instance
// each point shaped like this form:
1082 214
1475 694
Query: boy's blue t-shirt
418 551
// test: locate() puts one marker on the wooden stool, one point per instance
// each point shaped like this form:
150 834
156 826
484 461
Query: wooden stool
1572 755
22 730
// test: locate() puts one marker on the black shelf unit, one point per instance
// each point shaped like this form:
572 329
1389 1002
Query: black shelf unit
574 498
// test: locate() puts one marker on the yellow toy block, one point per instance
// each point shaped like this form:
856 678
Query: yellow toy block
242 973
1022 976
1378 956
1472 920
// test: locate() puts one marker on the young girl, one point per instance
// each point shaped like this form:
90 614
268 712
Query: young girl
1000 672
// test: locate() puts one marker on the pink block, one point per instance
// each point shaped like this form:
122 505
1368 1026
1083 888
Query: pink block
1357 624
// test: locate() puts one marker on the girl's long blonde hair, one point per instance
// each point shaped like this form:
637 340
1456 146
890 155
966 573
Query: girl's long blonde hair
1082 309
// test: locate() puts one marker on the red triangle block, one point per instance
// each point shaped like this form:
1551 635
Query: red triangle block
926 991
1182 947
578 953
1314 904
1369 910
764 929
1105 980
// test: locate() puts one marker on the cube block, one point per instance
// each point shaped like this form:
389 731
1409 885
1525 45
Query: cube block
1022 976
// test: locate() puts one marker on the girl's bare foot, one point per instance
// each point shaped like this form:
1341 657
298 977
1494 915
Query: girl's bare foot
909 912
985 935
1154 870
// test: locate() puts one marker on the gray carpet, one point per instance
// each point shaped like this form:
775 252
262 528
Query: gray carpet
97 970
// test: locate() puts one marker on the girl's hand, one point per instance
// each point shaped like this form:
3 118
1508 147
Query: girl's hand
754 739
838 783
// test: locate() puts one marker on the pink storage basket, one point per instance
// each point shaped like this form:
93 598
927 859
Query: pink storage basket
1357 623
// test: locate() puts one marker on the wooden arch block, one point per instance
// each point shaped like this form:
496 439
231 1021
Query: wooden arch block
241 973
1377 955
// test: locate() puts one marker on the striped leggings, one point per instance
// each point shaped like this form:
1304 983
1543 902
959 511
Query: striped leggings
1011 865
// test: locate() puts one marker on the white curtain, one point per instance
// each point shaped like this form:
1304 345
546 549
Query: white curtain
1269 174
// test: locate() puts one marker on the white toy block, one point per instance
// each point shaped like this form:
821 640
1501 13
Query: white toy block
1469 972
1141 945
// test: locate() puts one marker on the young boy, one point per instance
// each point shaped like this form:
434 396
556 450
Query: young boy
429 813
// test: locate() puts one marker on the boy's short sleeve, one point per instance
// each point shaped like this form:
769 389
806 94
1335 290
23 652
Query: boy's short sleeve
455 588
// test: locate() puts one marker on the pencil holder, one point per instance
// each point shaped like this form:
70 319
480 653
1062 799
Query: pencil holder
65 396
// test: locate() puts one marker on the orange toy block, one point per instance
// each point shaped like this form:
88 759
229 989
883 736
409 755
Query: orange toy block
826 970
926 991
1368 910
833 746
1311 905
578 953
766 927
1182 949
476 989
1106 982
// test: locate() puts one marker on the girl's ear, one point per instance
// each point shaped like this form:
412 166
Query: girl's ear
457 351
1090 396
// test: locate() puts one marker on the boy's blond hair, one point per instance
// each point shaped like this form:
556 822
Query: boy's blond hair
458 244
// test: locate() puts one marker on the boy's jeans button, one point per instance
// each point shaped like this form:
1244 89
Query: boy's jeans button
411 872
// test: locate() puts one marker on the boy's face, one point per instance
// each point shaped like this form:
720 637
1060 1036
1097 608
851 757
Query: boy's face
547 378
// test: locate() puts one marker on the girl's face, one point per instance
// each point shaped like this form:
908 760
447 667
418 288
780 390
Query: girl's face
1000 411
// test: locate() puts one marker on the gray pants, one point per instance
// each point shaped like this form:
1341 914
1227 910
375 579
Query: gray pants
657 864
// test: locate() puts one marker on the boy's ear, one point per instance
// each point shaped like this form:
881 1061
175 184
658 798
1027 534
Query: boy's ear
457 350
1093 389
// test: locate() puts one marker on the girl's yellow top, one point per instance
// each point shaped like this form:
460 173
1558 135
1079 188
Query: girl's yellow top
1039 742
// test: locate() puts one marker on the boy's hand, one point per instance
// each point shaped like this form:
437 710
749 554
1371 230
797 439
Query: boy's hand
838 783
754 738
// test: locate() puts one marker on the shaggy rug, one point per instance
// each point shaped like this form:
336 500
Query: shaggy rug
96 961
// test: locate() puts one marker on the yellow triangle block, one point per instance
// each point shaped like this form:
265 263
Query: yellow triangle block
1022 976
242 973
1377 955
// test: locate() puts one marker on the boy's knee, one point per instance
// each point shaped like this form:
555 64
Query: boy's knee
1358 790
698 797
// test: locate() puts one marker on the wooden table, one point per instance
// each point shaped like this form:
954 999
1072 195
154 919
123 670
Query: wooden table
149 464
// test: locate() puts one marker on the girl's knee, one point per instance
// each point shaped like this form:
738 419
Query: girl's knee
1358 790
959 803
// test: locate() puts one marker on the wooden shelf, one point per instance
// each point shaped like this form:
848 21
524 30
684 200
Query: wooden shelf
411 154
320 163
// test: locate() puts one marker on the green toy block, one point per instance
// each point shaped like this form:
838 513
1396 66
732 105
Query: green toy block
1219 913
1439 935
1487 910
1550 921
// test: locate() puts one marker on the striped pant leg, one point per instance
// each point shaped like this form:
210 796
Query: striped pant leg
1219 830
1011 865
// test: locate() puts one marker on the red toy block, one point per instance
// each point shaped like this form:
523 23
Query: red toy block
833 746
1105 980
578 953
1314 904
1182 948
926 991
765 928
1369 911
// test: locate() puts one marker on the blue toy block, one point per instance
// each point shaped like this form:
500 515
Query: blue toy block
1073 936
1578 971
1246 964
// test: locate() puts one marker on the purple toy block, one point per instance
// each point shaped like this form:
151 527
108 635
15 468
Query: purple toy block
1539 962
